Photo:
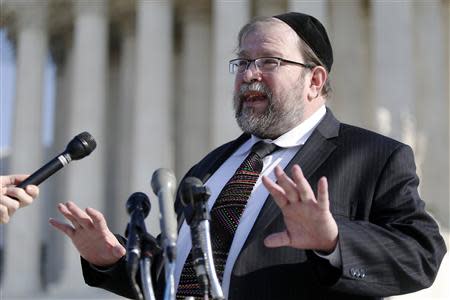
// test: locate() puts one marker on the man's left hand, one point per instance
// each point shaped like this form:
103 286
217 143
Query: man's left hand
308 220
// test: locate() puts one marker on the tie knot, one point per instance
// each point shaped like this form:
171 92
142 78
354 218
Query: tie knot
262 149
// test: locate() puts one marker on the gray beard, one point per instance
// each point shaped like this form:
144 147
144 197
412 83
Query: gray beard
280 116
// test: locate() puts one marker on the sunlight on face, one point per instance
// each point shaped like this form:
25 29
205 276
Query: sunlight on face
270 104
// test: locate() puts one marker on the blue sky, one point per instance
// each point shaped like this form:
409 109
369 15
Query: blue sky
7 94
7 80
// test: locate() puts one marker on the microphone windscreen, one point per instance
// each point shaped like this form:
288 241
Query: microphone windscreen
81 145
138 201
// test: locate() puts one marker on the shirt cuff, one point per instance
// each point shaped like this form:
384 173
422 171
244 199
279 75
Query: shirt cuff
334 258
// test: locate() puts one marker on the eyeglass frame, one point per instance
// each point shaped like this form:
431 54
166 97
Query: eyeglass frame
278 59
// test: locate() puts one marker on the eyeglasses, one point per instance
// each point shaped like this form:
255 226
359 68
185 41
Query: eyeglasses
262 64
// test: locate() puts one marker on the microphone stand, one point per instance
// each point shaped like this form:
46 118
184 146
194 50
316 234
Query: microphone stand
169 267
216 288
197 195
149 247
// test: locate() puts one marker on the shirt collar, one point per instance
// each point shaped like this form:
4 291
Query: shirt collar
297 136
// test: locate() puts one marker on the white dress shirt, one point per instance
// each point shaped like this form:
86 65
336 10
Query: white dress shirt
290 142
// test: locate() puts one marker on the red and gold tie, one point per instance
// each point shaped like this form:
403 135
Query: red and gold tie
225 216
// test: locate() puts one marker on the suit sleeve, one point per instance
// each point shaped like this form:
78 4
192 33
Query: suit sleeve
399 248
115 278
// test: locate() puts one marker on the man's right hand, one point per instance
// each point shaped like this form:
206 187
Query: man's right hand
90 234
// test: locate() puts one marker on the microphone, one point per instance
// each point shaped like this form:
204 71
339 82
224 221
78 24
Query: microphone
163 185
80 146
138 207
194 194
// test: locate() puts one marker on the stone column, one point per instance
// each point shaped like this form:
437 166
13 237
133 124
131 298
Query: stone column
23 236
432 130
267 7
193 101
123 130
55 240
448 91
350 73
85 178
152 122
224 39
393 64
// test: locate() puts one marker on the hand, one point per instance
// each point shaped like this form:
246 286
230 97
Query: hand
9 191
90 234
308 220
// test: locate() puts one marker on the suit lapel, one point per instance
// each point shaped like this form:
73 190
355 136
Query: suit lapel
310 156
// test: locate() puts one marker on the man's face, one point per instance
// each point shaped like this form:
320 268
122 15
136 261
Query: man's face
270 104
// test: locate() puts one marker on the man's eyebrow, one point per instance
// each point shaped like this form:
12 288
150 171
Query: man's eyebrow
241 53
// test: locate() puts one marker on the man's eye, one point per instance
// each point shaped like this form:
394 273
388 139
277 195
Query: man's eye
241 63
269 62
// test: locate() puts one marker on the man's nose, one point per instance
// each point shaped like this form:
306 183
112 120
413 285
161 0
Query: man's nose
252 73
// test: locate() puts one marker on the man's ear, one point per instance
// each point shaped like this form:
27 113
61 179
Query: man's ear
318 77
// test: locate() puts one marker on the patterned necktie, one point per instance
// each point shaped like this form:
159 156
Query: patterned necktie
225 216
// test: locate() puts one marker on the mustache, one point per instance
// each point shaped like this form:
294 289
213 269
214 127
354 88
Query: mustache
254 87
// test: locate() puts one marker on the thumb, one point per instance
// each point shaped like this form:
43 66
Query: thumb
119 251
277 240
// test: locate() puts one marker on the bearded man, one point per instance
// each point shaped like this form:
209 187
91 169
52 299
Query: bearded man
302 206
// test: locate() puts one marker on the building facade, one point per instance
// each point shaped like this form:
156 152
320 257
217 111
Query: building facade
149 80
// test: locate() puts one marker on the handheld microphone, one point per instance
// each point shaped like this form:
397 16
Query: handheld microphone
80 146
193 193
138 207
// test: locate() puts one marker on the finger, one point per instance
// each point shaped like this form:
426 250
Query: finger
9 206
4 215
68 215
286 184
19 195
119 250
304 190
32 190
12 179
63 227
322 193
81 216
275 240
98 220
276 191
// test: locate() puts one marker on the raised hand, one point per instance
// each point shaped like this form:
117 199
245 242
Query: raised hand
12 198
308 220
90 234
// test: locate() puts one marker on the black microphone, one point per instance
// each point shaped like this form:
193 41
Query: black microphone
138 207
195 195
80 146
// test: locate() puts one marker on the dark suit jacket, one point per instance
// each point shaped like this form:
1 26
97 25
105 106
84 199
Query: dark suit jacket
389 244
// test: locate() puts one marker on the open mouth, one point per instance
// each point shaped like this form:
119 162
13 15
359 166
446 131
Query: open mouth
253 97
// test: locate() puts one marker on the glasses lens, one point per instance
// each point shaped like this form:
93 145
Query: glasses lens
267 64
241 65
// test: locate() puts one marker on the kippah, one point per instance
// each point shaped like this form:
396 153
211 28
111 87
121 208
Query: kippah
310 30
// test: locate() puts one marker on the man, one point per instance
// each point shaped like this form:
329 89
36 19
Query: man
360 233
12 198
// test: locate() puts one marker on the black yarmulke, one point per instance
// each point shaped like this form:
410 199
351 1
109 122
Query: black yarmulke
312 32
